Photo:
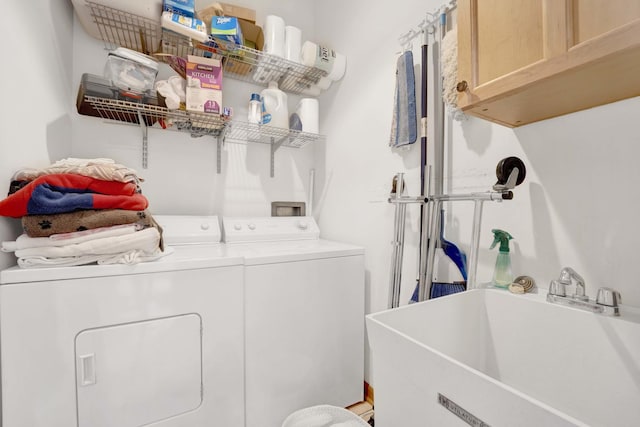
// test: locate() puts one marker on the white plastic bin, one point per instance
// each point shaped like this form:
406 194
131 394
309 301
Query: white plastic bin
324 416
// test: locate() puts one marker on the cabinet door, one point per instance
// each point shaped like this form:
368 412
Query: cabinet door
594 18
522 61
497 38
486 31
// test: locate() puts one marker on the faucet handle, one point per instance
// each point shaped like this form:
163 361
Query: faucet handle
556 287
609 297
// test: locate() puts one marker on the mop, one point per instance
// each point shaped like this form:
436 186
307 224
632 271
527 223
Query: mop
403 132
449 62
451 261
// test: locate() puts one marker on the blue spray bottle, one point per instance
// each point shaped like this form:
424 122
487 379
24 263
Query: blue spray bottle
502 276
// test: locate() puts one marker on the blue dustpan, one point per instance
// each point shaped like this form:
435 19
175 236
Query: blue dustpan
452 251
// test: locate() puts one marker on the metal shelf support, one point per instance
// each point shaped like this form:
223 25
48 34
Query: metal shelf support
145 141
275 145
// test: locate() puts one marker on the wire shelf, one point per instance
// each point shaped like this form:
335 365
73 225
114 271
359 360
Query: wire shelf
242 131
119 28
197 124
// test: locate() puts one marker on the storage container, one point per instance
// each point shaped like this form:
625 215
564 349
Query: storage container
99 87
130 70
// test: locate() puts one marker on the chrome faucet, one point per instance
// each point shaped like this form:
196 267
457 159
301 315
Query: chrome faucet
569 273
607 301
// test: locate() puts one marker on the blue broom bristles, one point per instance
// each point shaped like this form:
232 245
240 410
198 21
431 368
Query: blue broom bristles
439 289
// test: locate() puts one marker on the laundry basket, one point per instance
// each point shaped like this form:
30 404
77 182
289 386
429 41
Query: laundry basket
324 416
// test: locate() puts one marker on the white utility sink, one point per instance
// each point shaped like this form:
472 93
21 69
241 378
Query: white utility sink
488 356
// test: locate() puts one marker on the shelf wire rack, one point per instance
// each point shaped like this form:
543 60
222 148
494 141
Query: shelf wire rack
122 29
199 124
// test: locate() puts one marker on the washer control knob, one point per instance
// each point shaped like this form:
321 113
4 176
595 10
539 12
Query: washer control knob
303 225
251 226
204 226
237 227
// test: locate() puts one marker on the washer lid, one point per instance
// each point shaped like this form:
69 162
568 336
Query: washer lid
257 253
189 229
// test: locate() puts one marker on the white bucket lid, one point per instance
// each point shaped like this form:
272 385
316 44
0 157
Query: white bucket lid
324 416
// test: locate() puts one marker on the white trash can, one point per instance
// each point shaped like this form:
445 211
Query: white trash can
324 416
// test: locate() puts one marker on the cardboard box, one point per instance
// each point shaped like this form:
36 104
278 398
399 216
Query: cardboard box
204 87
253 35
226 9
243 62
181 7
239 12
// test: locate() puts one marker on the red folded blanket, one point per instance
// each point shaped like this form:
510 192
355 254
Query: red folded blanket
59 193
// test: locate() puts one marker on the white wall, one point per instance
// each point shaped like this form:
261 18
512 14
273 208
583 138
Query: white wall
181 177
35 122
577 207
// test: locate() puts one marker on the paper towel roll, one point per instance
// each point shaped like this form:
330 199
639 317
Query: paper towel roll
308 112
293 42
274 36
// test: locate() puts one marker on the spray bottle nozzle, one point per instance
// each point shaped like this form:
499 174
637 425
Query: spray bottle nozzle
502 237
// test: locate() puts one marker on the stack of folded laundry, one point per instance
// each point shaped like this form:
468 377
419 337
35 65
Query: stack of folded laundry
81 211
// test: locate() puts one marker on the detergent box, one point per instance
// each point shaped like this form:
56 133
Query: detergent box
181 7
204 84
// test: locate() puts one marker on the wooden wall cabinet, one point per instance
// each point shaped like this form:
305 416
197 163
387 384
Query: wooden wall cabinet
521 61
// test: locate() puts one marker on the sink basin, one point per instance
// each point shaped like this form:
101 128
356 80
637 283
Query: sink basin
488 356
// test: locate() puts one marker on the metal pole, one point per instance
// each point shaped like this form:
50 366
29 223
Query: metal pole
475 244
398 245
425 286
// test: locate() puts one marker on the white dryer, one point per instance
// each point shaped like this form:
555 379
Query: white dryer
156 344
304 317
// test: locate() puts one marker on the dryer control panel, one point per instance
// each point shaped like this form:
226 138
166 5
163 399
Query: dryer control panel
189 229
266 229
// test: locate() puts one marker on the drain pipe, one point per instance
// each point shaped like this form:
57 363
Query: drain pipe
312 180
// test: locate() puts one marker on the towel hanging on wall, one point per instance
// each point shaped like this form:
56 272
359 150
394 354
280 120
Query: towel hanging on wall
404 128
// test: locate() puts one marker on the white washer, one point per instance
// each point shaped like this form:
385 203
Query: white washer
304 317
157 343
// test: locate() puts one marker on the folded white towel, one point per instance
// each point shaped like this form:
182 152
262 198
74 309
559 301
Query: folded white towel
146 240
130 257
105 169
25 242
